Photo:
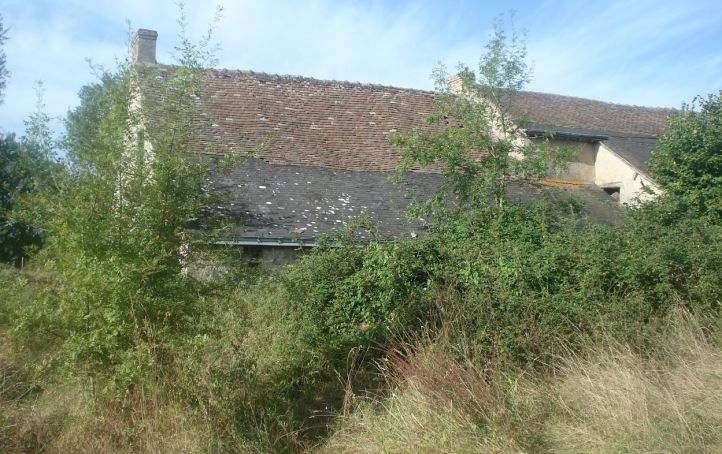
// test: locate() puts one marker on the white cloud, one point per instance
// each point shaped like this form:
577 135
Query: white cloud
634 53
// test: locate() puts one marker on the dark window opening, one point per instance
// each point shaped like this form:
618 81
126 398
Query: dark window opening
613 192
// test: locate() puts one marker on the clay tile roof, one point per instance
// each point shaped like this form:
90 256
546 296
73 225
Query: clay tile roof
570 112
293 120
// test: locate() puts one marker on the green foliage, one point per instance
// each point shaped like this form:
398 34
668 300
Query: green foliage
26 167
514 288
515 284
361 296
15 178
471 136
688 161
117 223
4 73
530 284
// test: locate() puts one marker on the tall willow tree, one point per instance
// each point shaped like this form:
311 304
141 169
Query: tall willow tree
117 229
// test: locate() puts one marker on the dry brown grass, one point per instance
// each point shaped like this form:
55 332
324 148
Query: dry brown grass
437 405
66 418
607 399
670 401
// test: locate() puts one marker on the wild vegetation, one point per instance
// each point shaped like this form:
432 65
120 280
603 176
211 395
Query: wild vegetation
505 328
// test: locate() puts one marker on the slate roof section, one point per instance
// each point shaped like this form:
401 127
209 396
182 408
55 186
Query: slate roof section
271 201
296 204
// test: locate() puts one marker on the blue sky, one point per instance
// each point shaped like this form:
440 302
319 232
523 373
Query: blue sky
652 53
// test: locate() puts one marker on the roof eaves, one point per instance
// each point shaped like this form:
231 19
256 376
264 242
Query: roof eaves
268 241
279 242
536 132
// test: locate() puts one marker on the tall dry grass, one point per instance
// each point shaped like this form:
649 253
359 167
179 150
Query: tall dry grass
66 419
605 399
437 404
68 416
668 401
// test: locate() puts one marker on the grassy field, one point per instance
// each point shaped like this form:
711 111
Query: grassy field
255 381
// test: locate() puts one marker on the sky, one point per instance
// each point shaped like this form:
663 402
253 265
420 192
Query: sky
640 52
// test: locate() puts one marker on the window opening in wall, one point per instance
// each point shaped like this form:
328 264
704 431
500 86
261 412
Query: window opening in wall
613 192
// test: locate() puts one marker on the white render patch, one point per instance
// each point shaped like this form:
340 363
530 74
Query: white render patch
261 187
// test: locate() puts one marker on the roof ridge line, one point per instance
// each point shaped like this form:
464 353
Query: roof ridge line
293 77
593 131
597 100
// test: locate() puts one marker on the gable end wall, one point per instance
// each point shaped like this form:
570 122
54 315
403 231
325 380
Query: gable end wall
612 170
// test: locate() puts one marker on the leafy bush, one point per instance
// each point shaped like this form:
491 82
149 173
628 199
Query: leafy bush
527 283
363 296
688 161
515 283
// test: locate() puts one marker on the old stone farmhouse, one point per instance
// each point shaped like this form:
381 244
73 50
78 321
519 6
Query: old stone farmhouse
324 158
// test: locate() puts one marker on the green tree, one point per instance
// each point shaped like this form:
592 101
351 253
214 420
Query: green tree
117 225
688 161
16 177
26 167
4 73
471 136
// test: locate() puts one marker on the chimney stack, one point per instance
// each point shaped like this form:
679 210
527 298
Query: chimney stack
143 47
455 84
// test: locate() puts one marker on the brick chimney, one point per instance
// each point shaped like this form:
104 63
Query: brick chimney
143 47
